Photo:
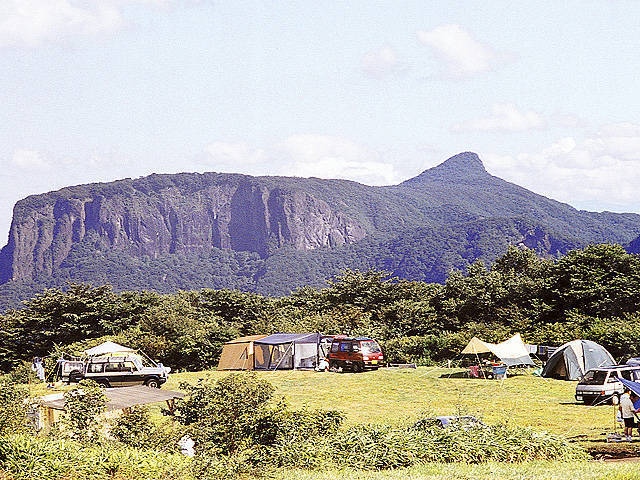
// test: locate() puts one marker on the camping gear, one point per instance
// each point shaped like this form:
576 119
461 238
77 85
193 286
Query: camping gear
239 354
573 359
287 351
511 352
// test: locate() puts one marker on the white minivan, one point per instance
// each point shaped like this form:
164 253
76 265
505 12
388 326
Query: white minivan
600 385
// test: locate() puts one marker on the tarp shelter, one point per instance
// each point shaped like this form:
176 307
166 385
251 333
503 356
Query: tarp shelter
239 354
511 352
633 386
286 351
572 360
107 348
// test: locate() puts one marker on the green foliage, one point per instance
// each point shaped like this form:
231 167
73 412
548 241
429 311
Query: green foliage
83 405
26 457
13 407
134 427
226 415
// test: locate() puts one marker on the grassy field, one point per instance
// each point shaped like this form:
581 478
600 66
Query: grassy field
401 396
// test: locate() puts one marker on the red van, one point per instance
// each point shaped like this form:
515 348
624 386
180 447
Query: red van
356 354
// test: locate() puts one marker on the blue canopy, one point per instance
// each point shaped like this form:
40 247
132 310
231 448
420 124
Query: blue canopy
633 386
280 338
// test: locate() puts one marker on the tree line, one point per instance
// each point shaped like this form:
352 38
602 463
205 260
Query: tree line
589 293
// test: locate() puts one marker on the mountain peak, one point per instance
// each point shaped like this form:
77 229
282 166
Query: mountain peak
465 166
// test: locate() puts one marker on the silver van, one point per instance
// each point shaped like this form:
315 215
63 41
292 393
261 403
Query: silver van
121 371
600 385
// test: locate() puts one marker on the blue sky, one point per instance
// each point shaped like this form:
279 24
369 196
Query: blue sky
374 91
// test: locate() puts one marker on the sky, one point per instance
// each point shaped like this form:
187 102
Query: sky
545 92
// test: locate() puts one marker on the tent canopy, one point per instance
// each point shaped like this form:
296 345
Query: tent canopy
511 352
106 348
573 359
238 354
282 351
633 386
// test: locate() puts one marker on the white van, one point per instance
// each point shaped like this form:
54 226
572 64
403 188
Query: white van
600 385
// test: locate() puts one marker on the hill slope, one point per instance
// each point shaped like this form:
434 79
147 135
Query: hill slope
274 234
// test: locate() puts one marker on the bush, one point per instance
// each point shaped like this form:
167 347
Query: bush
25 458
13 408
83 406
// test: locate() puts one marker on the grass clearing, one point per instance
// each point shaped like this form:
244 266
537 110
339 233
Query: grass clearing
400 396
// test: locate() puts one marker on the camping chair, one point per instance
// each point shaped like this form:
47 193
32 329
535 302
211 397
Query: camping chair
474 371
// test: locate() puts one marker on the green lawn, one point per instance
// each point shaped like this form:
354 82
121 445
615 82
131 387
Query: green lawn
400 396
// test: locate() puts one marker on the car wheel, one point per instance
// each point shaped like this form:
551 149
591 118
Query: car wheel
103 383
75 377
357 367
333 365
152 382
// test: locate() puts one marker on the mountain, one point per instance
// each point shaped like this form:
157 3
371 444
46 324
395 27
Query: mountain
275 234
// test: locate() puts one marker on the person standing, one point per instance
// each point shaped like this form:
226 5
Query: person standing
628 413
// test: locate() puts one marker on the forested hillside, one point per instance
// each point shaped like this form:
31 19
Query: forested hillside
590 293
272 235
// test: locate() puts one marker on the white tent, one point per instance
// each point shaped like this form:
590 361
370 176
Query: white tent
107 348
511 352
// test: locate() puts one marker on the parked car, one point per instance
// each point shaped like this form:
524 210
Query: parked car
356 354
121 371
600 385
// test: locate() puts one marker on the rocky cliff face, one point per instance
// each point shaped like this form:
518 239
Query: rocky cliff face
191 215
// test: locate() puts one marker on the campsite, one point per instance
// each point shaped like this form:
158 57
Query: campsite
397 397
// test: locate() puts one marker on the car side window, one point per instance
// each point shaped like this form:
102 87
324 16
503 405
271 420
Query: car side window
626 374
334 347
111 367
355 347
95 367
345 347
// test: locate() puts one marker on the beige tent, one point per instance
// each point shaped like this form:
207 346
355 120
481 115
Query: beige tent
511 352
238 354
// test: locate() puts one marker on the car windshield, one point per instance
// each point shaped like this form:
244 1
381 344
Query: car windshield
370 346
594 377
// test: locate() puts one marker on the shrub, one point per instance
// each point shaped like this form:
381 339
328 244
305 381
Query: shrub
83 406
26 457
13 408
224 414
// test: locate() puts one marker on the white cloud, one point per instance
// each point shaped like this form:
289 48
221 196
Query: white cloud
504 117
33 22
380 63
603 169
304 155
28 159
463 56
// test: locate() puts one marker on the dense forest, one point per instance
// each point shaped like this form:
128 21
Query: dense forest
588 293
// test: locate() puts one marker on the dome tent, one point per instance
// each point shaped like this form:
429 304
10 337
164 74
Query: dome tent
573 359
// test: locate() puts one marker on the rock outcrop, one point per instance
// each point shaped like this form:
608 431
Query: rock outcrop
157 216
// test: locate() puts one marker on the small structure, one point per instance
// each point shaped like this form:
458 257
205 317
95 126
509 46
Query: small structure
511 352
239 354
573 359
118 399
